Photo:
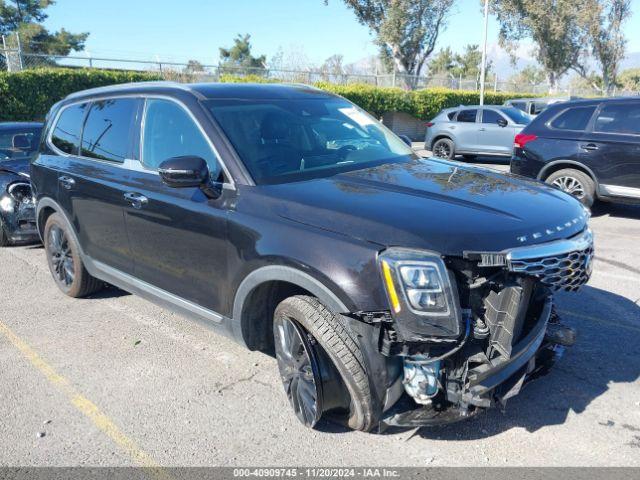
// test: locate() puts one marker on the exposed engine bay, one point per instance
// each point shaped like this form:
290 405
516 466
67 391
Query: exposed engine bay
510 334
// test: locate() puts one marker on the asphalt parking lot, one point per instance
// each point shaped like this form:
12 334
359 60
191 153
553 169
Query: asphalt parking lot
114 380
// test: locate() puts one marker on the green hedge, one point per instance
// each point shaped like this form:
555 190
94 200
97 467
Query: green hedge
28 95
423 104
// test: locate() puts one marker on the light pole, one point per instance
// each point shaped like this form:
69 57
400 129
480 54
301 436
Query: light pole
483 67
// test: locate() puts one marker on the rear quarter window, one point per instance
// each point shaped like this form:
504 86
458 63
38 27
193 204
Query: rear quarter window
574 118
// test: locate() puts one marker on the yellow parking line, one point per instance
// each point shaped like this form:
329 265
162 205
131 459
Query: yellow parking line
599 320
84 405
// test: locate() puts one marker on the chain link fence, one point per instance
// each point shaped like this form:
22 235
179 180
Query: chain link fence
13 59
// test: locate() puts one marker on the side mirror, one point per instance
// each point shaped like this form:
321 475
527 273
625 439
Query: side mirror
181 172
405 139
502 123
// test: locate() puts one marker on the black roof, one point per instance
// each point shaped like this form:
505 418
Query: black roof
19 125
212 90
592 101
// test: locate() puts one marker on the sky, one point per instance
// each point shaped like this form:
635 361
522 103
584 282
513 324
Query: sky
185 29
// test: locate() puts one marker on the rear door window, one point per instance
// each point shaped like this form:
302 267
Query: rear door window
66 133
491 116
619 118
107 131
467 116
576 118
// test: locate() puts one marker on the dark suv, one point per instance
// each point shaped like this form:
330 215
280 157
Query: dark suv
392 290
588 148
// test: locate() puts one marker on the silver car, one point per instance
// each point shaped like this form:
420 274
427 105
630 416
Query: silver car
475 130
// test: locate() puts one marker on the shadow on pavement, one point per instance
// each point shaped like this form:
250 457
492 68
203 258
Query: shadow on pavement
607 351
617 210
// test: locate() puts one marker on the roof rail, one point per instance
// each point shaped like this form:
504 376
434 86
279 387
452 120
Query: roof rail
124 86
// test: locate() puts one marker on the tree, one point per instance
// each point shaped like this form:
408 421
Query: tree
24 17
529 75
238 59
469 64
465 65
333 69
606 38
443 62
194 66
557 27
630 80
405 30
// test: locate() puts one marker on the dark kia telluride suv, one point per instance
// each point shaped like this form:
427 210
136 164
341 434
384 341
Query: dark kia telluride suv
392 290
588 148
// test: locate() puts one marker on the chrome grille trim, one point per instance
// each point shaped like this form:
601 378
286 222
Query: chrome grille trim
561 265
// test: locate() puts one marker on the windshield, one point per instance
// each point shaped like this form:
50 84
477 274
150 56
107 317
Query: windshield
19 143
288 140
517 116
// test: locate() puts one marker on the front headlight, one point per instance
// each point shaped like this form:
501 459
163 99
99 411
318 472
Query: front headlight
422 294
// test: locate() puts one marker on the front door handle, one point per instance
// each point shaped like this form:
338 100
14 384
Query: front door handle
482 130
67 182
590 147
136 200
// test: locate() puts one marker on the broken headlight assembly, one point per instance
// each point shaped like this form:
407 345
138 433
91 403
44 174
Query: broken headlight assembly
20 192
422 294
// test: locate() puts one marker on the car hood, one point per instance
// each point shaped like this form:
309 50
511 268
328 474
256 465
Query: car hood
431 204
18 166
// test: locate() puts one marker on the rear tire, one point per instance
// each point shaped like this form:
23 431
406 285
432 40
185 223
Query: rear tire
328 339
444 148
4 238
65 264
576 183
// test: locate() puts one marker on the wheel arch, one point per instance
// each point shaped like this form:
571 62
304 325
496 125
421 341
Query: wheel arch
441 136
47 206
260 293
557 165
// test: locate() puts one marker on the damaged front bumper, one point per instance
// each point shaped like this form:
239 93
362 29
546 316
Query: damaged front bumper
19 220
488 383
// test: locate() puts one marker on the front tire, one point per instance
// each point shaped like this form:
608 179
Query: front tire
444 148
307 338
65 264
576 183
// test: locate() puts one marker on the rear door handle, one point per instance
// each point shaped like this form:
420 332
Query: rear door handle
482 130
136 200
589 147
67 182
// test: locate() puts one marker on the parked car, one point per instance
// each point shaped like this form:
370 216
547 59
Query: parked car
588 148
474 130
392 290
535 106
18 142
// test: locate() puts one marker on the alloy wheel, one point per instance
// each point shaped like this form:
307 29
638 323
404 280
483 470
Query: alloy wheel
442 150
61 256
570 185
299 370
